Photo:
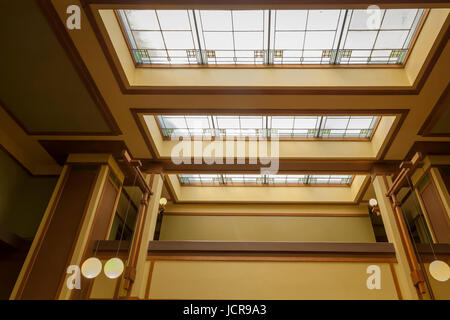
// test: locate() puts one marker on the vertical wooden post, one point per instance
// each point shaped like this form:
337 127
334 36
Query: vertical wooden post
406 168
130 269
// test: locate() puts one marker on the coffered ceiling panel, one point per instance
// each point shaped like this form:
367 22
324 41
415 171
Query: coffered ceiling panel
39 86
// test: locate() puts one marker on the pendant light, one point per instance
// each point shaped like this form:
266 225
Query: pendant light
439 270
113 268
91 268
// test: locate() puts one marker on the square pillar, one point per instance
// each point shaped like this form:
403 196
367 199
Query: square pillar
79 213
403 270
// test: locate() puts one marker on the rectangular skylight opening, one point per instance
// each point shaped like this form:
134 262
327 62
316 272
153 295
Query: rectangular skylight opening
281 127
264 180
270 37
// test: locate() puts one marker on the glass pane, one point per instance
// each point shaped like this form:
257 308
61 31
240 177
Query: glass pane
290 19
173 19
142 19
323 19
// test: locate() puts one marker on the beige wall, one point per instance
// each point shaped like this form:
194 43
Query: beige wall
267 228
267 280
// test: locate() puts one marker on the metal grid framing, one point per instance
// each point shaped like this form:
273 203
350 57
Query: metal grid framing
255 179
360 127
270 37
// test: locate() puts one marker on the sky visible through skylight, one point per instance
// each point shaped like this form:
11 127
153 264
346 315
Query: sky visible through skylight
252 179
270 37
267 126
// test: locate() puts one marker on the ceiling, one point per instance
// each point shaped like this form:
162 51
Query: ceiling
60 85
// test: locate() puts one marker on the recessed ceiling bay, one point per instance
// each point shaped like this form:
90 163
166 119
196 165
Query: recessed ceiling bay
270 37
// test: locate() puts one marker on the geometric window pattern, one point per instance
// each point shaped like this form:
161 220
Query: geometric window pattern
268 126
270 37
252 179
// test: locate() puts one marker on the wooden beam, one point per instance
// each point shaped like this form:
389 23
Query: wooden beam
286 166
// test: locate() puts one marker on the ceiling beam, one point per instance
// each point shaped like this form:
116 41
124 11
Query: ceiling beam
286 166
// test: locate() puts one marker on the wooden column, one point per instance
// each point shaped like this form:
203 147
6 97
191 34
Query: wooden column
78 214
136 289
388 215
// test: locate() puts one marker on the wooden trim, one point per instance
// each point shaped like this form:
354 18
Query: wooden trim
396 283
439 108
66 42
112 58
269 111
208 4
271 250
283 258
267 214
286 166
149 280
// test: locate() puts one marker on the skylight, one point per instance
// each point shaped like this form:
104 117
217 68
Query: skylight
257 179
360 127
270 37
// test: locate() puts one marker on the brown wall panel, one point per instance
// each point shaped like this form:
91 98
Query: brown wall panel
436 212
99 231
46 270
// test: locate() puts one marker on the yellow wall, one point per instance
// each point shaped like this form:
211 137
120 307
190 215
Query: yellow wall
267 280
254 228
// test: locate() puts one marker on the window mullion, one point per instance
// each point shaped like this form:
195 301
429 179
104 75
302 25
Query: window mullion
334 57
267 54
320 127
200 56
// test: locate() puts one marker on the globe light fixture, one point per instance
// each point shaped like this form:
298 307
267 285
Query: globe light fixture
113 268
439 270
91 268
163 202
373 202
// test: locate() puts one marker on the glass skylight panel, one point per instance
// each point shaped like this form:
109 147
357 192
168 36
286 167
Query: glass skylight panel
270 37
233 36
268 126
258 179
378 41
161 36
305 36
